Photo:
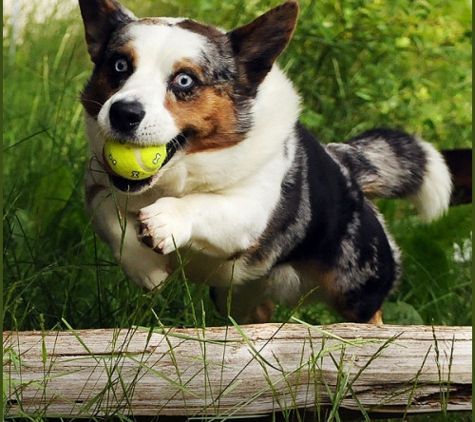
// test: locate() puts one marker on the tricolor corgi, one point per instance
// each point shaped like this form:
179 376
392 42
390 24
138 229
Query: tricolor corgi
269 213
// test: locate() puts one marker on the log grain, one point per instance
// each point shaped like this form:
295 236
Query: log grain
231 371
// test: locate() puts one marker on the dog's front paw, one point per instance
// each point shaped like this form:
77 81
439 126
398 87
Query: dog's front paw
164 225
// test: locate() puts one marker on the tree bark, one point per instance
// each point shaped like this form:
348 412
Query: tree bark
247 370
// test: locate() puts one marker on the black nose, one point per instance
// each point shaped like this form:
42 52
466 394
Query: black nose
125 117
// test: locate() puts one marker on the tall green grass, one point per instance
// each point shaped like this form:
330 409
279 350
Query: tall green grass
358 64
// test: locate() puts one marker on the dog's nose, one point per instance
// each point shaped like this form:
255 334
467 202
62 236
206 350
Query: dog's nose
125 116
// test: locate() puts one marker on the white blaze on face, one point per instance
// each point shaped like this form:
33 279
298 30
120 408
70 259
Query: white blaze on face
158 49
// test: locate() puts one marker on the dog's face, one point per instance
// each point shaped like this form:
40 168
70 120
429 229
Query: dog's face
176 81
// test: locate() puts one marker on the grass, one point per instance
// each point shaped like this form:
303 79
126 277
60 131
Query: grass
357 64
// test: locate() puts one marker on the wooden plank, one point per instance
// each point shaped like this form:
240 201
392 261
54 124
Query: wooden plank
249 370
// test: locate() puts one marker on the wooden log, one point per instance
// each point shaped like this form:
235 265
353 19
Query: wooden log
247 370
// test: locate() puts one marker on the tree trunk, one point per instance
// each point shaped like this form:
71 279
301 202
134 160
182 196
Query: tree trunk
255 369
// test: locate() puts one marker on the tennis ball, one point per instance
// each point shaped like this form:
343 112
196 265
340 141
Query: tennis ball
134 162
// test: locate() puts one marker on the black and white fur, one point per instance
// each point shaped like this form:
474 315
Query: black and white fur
270 213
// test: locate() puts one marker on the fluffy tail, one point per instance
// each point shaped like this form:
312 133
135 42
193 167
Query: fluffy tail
392 164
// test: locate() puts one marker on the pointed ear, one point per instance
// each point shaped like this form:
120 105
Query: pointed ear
258 44
101 18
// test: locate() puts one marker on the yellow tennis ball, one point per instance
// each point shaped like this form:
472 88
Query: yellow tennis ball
134 162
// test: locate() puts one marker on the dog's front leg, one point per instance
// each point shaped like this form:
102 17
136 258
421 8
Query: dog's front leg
217 224
118 228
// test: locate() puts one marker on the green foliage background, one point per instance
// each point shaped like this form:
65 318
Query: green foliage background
358 64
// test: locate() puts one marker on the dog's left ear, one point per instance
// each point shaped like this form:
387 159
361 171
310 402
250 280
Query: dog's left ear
258 45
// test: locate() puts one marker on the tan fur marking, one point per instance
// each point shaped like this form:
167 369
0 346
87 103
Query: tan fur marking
320 278
324 277
209 116
186 64
377 318
263 313
100 88
129 52
373 189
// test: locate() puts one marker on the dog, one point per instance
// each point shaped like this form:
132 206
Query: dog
269 213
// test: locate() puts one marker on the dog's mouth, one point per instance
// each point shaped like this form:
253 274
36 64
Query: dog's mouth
131 186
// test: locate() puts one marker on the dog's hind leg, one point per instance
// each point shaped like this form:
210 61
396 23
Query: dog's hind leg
246 304
377 318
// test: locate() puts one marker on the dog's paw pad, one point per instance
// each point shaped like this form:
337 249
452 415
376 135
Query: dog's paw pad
164 226
148 241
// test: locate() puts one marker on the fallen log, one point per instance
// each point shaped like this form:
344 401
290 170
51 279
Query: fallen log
231 371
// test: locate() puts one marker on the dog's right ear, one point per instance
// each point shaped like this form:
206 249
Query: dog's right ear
101 18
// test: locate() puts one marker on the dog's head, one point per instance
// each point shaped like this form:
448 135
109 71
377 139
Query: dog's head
176 81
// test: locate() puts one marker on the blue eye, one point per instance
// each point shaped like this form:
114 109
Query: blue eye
183 82
121 66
